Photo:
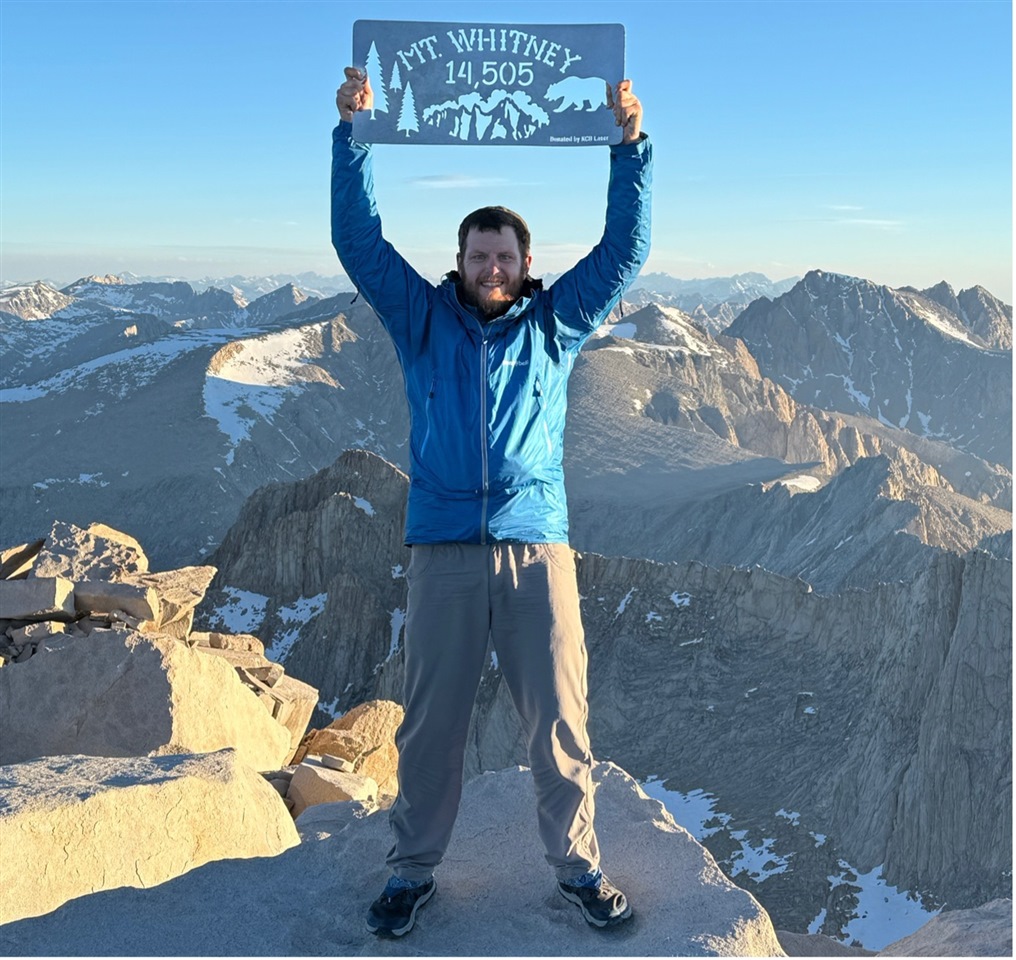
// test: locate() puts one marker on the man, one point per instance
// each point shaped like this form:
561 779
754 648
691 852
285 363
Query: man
486 357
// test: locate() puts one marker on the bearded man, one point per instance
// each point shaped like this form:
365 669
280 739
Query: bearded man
486 357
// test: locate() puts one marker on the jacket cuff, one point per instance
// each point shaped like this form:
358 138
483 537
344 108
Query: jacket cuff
637 148
344 133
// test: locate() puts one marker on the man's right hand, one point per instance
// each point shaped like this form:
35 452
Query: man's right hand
355 94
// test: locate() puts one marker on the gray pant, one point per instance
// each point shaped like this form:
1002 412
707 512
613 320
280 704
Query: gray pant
525 598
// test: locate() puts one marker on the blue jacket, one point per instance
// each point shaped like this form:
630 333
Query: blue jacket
487 400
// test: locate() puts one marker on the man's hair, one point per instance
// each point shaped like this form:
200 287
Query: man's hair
492 219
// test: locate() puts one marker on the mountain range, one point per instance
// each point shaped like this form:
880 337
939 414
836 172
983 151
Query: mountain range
793 503
162 397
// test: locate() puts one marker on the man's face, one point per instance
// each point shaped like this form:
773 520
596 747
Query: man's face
492 269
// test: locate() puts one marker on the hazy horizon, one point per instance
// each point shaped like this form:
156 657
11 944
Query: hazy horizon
192 139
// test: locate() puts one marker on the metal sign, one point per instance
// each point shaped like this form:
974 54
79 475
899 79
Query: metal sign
488 83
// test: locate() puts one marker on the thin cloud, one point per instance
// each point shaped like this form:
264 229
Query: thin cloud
870 222
873 223
455 181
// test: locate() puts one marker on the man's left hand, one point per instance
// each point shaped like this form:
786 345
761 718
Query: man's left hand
627 110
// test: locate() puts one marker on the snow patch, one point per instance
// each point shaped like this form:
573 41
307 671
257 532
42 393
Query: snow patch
242 612
117 374
294 617
883 914
681 599
862 398
801 481
398 622
941 323
758 862
624 602
256 379
331 708
690 810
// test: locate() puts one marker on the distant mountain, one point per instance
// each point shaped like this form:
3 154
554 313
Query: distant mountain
33 301
712 302
985 316
176 302
115 414
253 286
899 356
152 413
713 290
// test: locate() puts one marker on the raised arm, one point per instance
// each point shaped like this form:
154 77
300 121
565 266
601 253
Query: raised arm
585 295
384 278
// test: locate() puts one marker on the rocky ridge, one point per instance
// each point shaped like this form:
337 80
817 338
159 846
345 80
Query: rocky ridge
238 407
140 811
984 315
898 356
877 520
842 708
658 365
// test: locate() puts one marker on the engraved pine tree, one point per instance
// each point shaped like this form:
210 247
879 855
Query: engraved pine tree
407 115
395 83
377 81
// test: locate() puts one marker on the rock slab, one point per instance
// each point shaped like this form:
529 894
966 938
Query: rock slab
126 694
984 931
37 599
314 783
96 553
494 873
71 826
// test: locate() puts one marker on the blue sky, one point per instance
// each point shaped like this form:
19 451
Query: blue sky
192 139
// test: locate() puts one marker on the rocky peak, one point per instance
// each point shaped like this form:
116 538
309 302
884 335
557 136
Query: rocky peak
278 303
848 345
35 301
987 316
944 294
84 284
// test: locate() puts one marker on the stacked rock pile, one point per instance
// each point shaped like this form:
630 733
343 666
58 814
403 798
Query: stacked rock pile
353 758
88 594
76 580
124 733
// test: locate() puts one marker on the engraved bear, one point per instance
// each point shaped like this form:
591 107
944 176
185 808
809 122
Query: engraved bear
575 91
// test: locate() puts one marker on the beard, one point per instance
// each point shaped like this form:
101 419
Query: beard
473 295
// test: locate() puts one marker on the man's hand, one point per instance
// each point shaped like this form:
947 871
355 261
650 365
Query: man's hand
355 94
627 110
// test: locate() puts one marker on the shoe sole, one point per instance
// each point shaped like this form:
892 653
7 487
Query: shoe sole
609 922
402 931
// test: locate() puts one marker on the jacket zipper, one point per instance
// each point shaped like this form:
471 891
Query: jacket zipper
538 391
430 396
483 437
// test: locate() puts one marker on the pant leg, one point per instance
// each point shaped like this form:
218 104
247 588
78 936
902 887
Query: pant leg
447 627
536 627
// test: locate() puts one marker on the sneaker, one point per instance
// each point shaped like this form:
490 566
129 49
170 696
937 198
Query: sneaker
394 912
601 903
